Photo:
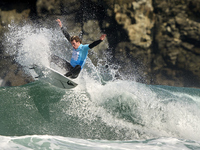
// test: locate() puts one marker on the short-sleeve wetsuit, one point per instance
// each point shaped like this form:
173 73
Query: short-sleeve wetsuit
79 56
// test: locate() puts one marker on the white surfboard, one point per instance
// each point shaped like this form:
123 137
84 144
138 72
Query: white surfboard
53 77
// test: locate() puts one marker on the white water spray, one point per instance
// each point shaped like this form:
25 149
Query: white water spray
123 105
28 45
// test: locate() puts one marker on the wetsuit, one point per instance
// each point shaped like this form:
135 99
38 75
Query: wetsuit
79 56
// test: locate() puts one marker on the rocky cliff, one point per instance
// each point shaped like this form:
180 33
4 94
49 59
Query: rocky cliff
154 39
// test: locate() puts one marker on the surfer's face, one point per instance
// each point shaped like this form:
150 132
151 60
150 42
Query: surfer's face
75 44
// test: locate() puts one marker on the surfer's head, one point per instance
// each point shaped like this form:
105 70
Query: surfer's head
75 41
76 38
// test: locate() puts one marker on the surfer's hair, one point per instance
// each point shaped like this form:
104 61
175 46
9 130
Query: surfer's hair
76 38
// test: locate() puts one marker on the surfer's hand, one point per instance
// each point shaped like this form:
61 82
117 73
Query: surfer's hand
102 37
59 22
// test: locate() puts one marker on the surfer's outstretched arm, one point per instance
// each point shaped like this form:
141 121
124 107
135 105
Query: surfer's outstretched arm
64 30
66 34
95 43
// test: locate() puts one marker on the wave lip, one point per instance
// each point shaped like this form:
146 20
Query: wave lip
118 110
57 142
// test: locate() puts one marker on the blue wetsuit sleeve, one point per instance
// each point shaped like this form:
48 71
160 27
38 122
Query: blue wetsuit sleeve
95 43
66 34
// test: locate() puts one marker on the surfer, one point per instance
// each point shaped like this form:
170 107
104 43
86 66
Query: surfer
79 53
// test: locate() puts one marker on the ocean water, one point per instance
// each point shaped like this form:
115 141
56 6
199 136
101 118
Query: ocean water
102 112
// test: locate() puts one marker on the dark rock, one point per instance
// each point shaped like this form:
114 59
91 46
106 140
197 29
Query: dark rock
158 40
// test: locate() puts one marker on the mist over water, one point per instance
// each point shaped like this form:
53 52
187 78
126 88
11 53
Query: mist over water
100 107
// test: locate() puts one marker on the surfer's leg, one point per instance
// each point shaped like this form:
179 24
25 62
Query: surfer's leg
68 74
68 66
73 73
